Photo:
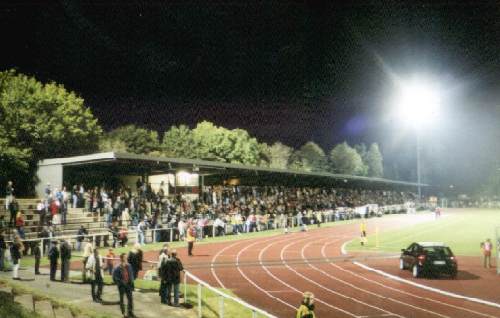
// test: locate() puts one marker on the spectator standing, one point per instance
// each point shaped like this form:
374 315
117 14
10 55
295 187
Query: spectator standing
487 247
123 277
65 259
190 238
53 256
44 235
82 232
40 209
306 309
16 250
38 255
20 224
95 267
135 259
87 251
162 273
173 277
13 209
141 228
9 194
3 247
110 261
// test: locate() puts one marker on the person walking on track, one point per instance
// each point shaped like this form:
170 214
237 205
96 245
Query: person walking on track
190 238
306 308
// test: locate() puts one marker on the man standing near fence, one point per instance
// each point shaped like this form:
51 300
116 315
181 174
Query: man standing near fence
95 268
173 277
53 258
65 259
124 280
87 251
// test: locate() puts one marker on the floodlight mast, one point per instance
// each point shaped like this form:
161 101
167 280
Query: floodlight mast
418 103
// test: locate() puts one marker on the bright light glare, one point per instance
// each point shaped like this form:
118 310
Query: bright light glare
418 102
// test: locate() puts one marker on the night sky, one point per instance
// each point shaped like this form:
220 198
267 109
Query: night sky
287 71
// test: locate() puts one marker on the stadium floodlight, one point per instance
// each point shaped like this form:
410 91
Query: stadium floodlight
417 103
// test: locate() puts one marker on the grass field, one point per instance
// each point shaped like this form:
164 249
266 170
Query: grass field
461 229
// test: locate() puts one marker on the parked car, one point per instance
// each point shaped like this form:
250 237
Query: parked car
428 258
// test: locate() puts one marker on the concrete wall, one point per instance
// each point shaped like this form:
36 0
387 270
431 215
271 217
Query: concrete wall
52 174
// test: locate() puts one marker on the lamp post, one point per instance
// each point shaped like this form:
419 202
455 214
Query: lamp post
418 101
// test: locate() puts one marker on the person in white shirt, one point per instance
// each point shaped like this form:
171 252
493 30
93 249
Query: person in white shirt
87 251
94 266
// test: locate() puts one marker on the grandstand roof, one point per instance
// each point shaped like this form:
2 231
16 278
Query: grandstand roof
157 165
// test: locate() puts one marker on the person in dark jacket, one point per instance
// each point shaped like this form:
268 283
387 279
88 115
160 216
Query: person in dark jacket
3 248
38 254
13 209
82 232
65 258
135 259
123 277
53 256
16 250
173 277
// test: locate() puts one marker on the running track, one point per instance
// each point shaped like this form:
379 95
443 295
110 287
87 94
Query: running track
273 272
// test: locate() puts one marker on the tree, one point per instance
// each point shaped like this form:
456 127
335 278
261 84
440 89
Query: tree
135 139
221 144
39 121
310 157
279 155
345 159
178 142
374 162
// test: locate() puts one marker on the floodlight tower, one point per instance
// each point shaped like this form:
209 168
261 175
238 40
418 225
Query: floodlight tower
418 102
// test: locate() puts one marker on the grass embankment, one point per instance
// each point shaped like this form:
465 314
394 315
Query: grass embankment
10 309
19 289
461 230
210 301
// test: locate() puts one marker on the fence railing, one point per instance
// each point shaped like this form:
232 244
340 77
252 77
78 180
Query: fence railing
222 298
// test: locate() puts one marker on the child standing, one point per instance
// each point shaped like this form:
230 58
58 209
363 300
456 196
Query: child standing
110 261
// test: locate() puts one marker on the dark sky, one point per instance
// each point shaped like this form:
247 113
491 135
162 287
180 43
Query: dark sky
289 71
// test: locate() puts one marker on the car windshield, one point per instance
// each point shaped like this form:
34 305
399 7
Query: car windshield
439 251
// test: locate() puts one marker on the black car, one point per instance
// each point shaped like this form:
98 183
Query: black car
428 258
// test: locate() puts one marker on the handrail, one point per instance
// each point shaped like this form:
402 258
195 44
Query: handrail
224 295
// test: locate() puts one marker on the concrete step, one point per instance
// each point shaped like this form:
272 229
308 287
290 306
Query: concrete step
44 308
26 301
63 313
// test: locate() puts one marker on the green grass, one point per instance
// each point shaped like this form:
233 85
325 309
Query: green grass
210 300
10 309
19 289
461 229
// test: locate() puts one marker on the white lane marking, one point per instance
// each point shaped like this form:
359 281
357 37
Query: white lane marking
254 284
215 258
364 290
324 287
402 291
342 249
436 290
291 287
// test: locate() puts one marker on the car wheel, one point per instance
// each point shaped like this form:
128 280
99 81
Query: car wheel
415 271
401 264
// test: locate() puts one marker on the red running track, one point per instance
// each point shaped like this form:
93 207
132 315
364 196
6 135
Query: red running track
273 272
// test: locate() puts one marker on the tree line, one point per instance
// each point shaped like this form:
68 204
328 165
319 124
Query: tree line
45 120
207 141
